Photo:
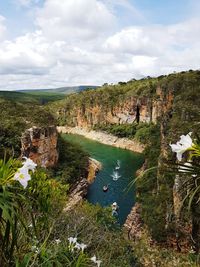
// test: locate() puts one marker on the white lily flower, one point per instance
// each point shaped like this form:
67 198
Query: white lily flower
80 246
93 259
77 245
72 240
181 146
83 246
57 241
29 164
22 176
186 140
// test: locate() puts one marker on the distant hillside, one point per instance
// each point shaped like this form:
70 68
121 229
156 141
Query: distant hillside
37 96
62 90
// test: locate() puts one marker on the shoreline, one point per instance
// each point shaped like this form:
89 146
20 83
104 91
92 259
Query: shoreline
80 189
104 138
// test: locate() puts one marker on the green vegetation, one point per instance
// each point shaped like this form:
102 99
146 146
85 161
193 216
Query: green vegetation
15 118
31 96
26 215
121 130
20 111
73 162
96 227
151 255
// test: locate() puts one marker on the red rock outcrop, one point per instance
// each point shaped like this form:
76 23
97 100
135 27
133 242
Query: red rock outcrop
40 144
133 224
132 109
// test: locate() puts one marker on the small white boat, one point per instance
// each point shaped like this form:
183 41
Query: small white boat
105 188
118 165
115 175
115 208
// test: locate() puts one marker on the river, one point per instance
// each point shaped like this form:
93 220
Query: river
118 171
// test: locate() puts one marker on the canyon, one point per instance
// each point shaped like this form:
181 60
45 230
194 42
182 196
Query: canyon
162 102
40 145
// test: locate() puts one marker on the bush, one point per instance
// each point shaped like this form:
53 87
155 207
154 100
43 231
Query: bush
73 162
19 208
96 227
120 130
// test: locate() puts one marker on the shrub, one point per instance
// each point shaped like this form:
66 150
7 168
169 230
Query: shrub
73 162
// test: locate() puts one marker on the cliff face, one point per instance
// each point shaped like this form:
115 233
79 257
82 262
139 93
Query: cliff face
40 144
94 167
133 109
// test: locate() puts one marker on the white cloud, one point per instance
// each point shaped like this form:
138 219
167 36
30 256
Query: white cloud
158 49
136 41
155 39
76 42
27 54
74 19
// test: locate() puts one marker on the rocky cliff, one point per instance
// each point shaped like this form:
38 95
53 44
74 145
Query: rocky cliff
133 224
79 191
132 109
40 144
94 167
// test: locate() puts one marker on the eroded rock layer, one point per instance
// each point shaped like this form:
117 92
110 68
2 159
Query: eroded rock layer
40 144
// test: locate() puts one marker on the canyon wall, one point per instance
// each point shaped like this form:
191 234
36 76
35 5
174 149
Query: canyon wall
129 110
40 144
80 189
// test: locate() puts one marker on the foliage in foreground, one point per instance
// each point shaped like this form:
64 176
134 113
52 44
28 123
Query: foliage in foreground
97 228
151 255
21 209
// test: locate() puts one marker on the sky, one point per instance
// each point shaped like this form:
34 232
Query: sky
55 43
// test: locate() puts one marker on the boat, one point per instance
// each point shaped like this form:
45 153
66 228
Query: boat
118 165
115 175
105 188
115 208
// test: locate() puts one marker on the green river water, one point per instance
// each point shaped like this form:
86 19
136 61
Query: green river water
118 163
